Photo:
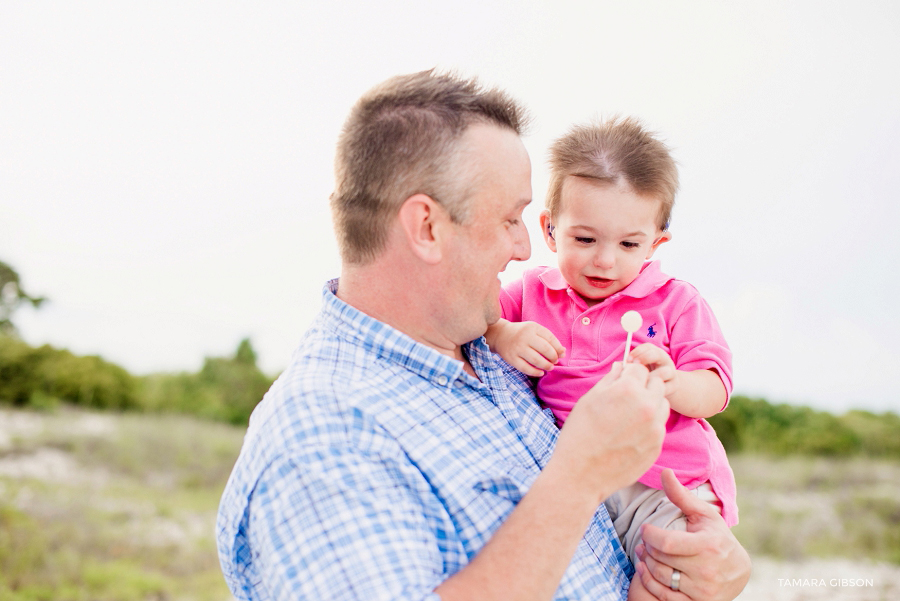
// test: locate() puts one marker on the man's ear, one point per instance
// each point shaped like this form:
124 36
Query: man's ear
663 237
423 223
547 229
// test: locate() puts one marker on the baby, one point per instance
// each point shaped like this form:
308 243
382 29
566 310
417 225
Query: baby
611 193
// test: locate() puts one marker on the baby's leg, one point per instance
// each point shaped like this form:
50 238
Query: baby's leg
636 505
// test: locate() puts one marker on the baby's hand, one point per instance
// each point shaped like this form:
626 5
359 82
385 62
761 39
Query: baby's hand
528 346
659 362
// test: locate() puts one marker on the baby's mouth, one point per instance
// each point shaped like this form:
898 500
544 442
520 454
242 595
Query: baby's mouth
600 282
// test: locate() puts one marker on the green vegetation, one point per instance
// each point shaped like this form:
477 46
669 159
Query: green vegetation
757 426
12 296
121 506
43 376
228 388
225 389
105 506
798 507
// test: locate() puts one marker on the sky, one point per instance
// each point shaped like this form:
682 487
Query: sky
165 167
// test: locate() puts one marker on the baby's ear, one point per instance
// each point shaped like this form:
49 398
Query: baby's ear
663 236
547 229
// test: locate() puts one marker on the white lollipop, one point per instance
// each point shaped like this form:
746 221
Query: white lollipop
631 323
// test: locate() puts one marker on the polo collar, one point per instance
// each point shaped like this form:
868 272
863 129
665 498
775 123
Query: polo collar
649 280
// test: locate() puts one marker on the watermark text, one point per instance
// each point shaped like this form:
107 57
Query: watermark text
822 582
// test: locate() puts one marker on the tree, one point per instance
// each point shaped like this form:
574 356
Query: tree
12 297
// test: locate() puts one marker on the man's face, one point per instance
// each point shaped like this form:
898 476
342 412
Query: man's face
493 234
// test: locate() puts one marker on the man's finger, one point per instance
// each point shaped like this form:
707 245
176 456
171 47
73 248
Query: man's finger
661 591
668 545
691 505
635 371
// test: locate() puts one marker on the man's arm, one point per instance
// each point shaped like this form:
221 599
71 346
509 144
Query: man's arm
612 436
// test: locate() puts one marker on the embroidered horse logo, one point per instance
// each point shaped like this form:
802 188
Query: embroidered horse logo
651 332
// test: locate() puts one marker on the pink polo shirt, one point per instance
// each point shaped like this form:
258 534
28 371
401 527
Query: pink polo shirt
675 317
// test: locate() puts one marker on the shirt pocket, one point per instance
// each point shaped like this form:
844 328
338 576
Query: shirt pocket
510 485
482 506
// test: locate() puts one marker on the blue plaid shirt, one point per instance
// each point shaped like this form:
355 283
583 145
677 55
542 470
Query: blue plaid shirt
375 468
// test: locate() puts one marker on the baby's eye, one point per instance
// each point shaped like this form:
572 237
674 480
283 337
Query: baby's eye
628 244
583 240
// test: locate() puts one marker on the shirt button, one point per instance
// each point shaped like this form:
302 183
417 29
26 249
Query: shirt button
586 321
442 380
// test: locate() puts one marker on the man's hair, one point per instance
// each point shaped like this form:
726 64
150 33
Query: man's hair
615 151
401 139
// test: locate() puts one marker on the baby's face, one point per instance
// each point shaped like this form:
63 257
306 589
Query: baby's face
603 235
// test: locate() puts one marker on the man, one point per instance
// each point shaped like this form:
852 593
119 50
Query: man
396 457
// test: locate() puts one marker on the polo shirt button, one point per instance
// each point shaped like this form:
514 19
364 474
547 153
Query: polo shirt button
442 380
586 321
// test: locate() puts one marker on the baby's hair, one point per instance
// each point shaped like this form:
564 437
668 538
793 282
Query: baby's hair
618 150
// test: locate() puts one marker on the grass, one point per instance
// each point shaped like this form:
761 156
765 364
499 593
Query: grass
116 507
121 507
801 507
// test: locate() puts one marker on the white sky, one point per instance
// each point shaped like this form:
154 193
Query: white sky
165 168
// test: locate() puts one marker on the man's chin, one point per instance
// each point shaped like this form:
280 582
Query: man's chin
493 314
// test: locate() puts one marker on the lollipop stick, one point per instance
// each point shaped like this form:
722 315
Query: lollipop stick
627 348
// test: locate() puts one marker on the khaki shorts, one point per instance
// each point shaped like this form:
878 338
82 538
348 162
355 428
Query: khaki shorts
639 504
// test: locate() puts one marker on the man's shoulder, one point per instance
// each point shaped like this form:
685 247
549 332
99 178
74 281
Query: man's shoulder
323 394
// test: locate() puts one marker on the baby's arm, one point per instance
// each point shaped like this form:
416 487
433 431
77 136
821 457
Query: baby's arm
528 346
698 393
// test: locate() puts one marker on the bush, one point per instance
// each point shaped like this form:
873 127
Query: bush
756 425
225 389
879 434
35 376
18 369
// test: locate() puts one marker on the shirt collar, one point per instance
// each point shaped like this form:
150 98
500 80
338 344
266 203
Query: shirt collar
388 343
650 279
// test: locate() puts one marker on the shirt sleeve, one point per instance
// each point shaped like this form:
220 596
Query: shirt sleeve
334 523
511 300
696 342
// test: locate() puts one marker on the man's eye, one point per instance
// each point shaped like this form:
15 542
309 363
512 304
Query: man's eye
627 244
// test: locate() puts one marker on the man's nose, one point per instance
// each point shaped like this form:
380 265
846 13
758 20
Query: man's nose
521 244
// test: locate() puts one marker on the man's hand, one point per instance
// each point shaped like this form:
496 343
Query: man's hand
713 565
528 346
615 431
